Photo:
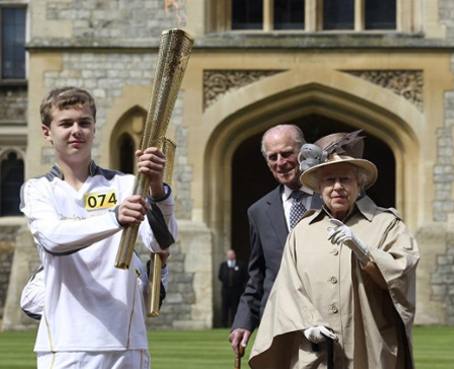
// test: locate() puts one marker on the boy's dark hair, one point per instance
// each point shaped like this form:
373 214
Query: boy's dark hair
64 98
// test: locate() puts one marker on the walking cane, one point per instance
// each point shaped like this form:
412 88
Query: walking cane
238 356
329 353
329 343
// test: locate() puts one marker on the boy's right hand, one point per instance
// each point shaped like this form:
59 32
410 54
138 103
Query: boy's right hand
132 210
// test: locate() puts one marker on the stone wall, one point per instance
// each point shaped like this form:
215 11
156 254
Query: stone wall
110 22
444 168
442 277
443 175
13 104
7 243
446 14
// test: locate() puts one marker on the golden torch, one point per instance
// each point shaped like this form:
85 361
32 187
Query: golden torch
154 277
174 51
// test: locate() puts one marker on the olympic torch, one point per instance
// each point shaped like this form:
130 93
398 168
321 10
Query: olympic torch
174 51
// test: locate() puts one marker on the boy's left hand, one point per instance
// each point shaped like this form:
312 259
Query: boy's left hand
151 163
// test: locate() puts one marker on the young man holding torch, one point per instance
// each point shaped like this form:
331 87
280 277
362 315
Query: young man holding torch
93 312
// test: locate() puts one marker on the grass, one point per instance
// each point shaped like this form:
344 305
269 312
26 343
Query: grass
210 349
433 347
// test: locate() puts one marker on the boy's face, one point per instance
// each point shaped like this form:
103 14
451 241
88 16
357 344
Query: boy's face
71 132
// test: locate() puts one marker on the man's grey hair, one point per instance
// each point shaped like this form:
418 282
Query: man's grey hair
298 135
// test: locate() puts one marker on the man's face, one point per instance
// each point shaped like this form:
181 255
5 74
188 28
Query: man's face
339 188
281 153
231 255
71 132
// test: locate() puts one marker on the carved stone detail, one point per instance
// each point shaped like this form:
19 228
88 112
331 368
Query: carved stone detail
406 83
217 82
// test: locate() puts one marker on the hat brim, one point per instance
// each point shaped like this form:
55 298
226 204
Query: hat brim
310 177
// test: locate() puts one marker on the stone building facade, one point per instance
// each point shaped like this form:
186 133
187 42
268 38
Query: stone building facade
397 85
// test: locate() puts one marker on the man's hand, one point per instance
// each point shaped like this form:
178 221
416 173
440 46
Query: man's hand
151 163
318 334
164 255
132 210
339 233
239 337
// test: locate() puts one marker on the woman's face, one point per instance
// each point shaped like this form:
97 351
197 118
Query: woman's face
339 188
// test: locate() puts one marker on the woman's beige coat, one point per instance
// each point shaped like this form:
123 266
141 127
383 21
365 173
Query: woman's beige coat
321 283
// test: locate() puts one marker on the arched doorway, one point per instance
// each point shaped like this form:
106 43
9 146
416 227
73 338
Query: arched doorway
251 178
126 154
11 180
125 139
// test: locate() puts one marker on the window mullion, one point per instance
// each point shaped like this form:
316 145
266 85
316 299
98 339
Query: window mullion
312 16
359 15
227 15
404 15
268 15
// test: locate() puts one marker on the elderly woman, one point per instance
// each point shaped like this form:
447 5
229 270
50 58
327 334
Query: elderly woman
347 276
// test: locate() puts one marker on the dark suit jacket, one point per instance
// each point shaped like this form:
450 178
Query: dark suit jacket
233 279
267 235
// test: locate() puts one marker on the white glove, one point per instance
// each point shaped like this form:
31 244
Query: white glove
340 233
318 334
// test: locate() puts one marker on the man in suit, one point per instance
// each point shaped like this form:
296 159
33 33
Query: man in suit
270 219
233 276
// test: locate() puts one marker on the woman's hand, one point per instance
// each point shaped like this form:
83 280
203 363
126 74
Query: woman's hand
319 333
339 233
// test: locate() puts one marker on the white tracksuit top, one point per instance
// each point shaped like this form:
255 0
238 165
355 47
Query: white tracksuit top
89 304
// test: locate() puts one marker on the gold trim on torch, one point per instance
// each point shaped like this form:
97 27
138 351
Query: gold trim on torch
154 278
154 287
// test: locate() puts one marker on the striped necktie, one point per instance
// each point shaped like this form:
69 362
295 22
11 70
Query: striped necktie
297 209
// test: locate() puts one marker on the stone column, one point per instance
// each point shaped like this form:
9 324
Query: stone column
432 285
24 262
196 243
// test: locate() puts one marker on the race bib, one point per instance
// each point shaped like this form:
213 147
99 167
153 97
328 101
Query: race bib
95 201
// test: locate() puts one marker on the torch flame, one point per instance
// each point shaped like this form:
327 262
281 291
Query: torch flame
177 7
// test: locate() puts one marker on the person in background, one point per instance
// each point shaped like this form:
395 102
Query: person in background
233 276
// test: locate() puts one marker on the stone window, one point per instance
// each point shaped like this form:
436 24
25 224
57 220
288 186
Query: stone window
11 180
12 42
247 14
380 14
313 15
338 14
127 150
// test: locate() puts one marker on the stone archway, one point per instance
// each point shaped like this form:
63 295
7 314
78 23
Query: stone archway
382 119
126 136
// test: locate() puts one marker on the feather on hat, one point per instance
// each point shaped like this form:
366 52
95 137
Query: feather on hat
334 149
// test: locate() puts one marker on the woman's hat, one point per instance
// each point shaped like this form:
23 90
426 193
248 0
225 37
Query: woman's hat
335 149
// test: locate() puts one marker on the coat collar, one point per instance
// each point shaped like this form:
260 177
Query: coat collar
366 207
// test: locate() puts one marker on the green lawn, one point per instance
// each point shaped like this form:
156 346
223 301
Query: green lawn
433 347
